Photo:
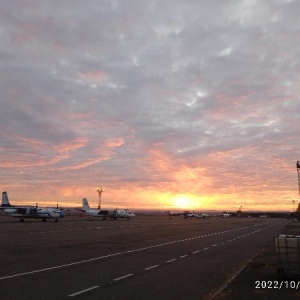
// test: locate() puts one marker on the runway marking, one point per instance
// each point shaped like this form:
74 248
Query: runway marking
170 260
183 256
141 225
122 277
152 267
60 266
120 253
84 291
197 251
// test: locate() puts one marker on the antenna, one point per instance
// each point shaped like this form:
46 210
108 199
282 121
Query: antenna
99 194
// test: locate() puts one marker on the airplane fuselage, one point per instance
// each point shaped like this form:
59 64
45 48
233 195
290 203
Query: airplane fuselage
114 214
225 215
33 212
106 213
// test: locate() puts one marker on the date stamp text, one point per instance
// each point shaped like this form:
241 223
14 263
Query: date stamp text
277 284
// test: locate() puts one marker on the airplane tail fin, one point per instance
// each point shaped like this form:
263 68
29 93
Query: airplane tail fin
5 201
85 204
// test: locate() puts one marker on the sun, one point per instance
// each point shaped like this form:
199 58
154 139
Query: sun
182 201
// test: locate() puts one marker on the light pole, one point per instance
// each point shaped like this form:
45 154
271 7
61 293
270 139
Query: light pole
99 194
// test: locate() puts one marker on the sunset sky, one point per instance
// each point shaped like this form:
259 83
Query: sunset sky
164 104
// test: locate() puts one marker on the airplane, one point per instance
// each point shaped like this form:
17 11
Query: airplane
173 214
188 214
105 213
225 215
202 215
33 212
198 215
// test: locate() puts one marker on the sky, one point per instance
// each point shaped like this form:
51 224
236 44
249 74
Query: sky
164 104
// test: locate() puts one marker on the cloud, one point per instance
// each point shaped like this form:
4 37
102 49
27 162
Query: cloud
152 99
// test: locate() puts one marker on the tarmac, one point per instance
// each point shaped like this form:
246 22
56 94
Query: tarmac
149 257
259 278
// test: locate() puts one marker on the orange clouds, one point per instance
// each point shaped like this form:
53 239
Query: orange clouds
181 176
34 152
97 155
114 143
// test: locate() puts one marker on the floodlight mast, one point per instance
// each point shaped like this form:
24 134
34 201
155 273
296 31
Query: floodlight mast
99 194
298 170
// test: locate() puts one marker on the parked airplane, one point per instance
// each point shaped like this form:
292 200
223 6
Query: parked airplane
32 212
105 213
198 215
188 214
225 215
202 215
174 214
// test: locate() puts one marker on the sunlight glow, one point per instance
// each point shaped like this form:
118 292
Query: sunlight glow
182 201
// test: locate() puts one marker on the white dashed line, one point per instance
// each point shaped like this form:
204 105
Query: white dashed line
171 260
129 251
122 277
183 256
84 291
152 267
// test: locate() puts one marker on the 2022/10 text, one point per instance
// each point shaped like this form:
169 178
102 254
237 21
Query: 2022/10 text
274 284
